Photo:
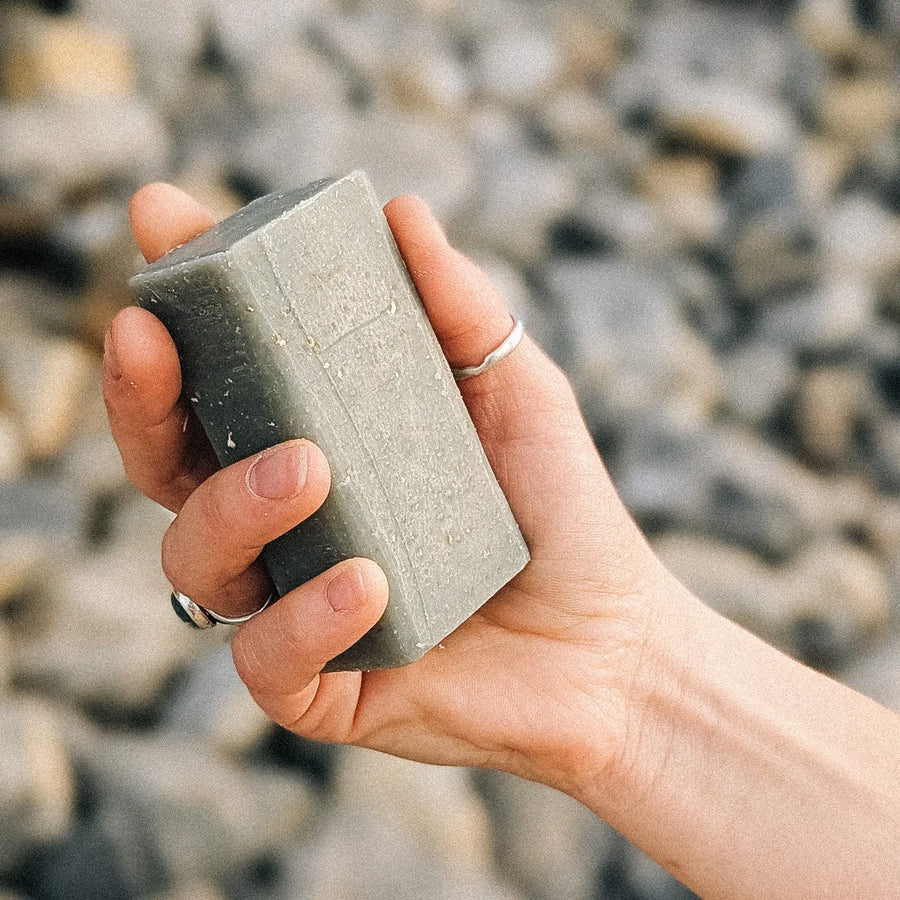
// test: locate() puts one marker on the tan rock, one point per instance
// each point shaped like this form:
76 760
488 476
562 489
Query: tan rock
841 596
831 402
37 791
858 110
829 27
684 189
45 379
824 163
61 58
590 49
435 805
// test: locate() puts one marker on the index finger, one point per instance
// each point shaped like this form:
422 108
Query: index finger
163 450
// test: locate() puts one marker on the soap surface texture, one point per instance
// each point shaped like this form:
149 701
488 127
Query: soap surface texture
296 317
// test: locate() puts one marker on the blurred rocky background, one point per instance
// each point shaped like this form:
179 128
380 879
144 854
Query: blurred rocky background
696 209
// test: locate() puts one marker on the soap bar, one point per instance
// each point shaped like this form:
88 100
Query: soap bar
296 317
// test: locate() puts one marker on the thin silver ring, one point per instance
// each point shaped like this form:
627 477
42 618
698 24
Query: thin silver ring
193 612
506 347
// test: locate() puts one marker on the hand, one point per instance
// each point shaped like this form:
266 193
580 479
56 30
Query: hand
516 686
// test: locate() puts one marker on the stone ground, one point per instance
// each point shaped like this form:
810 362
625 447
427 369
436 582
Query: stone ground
696 209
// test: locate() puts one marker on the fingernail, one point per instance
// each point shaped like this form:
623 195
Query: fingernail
109 356
346 590
280 473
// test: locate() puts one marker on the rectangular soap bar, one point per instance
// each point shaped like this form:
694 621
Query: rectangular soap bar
296 317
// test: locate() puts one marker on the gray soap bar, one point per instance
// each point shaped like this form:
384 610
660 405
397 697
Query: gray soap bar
296 317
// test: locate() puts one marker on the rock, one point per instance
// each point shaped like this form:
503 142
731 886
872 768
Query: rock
109 638
547 844
830 27
823 164
763 185
45 513
45 380
840 603
192 890
580 122
166 37
773 256
684 189
861 237
202 818
858 110
435 806
516 66
590 46
212 706
67 147
63 59
725 117
757 377
37 791
628 347
386 862
519 194
877 673
13 450
22 565
832 404
734 582
832 317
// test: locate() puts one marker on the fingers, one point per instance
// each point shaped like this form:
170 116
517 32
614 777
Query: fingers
227 520
280 653
163 450
163 217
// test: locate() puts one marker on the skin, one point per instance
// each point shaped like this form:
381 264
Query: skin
593 671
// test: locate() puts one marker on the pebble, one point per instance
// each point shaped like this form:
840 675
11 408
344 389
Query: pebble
685 190
435 806
841 603
833 403
58 145
45 380
548 844
109 639
63 59
757 377
37 790
202 817
212 706
859 110
518 66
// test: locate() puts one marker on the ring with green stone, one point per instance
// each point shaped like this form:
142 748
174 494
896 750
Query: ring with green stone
200 617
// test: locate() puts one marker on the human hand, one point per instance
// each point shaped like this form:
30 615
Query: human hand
536 681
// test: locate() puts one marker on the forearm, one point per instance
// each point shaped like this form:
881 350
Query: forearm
747 774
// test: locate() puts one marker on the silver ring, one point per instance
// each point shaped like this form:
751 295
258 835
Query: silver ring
509 344
194 614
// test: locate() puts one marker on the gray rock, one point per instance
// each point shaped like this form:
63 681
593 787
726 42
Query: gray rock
386 863
772 256
212 706
860 236
757 377
629 348
877 673
37 791
834 316
203 817
44 511
840 604
519 193
434 806
109 637
70 146
517 66
548 844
